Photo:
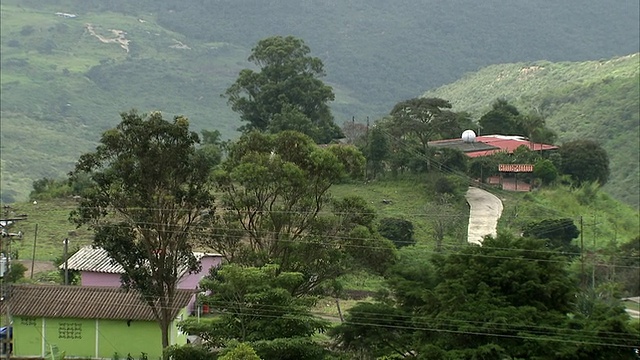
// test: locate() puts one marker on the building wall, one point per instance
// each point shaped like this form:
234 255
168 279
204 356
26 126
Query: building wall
90 278
124 338
191 281
36 337
27 336
91 338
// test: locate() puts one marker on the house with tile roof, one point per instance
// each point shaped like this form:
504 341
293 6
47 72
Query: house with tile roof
88 322
98 269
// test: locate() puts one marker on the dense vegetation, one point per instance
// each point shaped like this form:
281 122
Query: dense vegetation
61 86
593 100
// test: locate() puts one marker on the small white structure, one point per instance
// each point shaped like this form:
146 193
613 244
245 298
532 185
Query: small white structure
468 136
67 15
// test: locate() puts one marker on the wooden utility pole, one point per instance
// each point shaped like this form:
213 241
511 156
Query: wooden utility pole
582 274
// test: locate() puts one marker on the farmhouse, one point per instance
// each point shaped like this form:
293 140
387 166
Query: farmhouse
88 322
476 146
98 269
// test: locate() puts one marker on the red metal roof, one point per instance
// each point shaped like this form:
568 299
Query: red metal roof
507 144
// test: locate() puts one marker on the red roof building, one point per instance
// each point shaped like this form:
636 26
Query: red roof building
490 144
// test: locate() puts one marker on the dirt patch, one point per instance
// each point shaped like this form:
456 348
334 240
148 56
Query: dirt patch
38 267
359 294
119 39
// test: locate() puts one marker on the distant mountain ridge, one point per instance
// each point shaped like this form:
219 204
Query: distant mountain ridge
65 78
597 100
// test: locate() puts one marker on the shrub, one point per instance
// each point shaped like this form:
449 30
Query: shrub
399 231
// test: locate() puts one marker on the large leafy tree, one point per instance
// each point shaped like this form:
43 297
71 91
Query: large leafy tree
558 232
424 118
256 305
274 189
149 188
585 161
286 93
509 298
501 119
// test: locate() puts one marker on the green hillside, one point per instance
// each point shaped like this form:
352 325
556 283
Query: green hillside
65 79
597 100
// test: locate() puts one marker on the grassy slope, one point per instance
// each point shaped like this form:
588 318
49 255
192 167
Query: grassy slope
61 86
409 199
59 82
599 100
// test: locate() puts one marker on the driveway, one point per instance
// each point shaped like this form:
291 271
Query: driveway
485 210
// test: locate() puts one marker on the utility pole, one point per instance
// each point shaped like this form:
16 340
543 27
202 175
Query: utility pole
33 256
66 261
582 276
593 266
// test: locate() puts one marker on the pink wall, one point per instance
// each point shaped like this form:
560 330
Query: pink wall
188 281
91 278
191 281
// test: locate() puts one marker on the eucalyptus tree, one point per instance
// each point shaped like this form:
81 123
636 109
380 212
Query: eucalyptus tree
286 93
149 189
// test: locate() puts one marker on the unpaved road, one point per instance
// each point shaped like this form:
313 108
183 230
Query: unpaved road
485 210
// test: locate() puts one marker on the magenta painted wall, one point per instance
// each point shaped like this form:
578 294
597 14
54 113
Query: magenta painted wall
191 281
91 278
188 281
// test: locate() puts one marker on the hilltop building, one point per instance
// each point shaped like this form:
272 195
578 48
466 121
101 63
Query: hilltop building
476 146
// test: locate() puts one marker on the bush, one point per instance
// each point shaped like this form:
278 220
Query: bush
188 352
15 273
453 185
399 231
546 171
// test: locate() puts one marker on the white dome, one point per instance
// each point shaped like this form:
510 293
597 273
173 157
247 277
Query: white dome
469 136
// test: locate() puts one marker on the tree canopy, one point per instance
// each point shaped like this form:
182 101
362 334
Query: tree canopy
585 161
509 298
275 194
149 188
286 93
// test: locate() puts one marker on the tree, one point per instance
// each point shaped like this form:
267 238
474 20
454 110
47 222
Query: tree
150 189
211 147
242 351
546 171
585 161
274 188
400 231
377 329
558 232
256 305
377 150
286 94
425 118
501 119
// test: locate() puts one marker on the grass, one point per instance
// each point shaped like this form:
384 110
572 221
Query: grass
604 219
327 308
52 228
407 197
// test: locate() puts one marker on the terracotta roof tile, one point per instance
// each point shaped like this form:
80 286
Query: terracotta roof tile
85 302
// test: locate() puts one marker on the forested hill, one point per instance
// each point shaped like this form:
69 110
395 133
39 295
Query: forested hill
598 100
65 78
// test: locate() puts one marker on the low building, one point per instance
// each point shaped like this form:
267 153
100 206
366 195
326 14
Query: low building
477 146
98 269
89 322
